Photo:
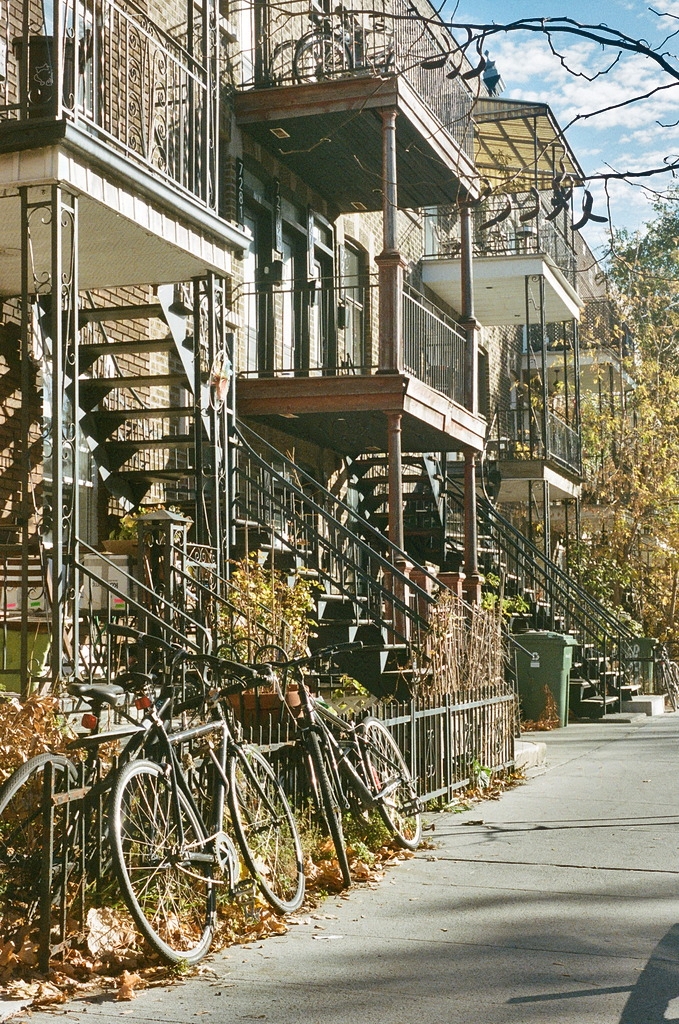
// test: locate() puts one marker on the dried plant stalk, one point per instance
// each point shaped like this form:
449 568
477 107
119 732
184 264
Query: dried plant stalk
465 650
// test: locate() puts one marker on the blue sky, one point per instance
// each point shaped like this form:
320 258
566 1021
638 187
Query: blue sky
626 139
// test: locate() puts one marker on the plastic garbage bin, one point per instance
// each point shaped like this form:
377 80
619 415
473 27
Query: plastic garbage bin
639 654
544 659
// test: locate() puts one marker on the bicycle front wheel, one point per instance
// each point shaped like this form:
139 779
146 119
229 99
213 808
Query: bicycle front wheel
324 786
160 858
391 783
21 822
265 829
319 57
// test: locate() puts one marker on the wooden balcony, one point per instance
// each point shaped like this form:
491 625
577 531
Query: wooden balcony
317 374
347 414
330 135
525 459
316 82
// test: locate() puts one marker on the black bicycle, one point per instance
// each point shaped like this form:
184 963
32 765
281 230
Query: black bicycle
173 804
169 821
351 766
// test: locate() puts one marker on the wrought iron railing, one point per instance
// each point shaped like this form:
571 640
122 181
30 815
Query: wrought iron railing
559 601
273 494
563 443
518 435
107 67
433 347
293 43
513 235
326 327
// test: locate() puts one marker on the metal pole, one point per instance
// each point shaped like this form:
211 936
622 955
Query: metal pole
395 480
472 579
390 262
469 322
25 465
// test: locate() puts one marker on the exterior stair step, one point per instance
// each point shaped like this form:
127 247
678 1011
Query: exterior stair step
151 381
117 348
155 475
106 314
176 441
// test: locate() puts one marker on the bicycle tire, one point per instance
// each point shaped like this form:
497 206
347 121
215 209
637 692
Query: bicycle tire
670 683
172 904
385 765
265 829
21 822
329 804
318 57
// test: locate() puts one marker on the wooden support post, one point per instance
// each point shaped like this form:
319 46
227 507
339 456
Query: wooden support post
468 319
472 582
390 262
395 480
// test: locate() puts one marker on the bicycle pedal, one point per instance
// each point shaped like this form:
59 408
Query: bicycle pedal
245 891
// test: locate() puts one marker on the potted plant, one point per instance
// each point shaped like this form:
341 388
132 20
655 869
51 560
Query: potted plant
123 539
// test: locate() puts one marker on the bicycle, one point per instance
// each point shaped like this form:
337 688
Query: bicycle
169 849
238 790
351 766
339 44
22 795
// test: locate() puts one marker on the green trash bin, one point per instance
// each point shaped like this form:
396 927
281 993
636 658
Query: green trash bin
639 655
543 659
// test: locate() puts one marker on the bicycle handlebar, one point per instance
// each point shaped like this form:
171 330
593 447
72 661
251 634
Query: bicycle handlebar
324 652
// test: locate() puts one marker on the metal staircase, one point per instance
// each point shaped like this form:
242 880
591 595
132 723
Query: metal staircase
362 593
600 674
160 431
150 406
433 512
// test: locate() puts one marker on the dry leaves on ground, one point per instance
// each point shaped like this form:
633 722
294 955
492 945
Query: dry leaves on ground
28 728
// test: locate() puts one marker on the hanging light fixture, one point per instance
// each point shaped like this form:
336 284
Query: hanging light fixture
492 79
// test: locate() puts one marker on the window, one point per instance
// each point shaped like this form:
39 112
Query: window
353 318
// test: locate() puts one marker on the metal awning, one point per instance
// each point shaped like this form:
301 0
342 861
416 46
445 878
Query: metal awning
520 145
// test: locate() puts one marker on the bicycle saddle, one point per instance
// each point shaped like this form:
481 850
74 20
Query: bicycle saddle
99 693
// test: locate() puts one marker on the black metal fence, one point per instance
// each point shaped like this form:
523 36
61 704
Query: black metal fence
446 745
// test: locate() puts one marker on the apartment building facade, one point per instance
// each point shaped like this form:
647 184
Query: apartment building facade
290 271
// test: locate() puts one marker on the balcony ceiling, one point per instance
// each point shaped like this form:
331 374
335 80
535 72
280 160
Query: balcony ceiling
127 234
520 478
520 145
334 141
500 288
347 414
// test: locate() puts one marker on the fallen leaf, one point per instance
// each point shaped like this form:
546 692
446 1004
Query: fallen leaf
109 931
126 986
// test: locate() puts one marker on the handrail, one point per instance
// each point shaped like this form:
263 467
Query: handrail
138 607
532 555
400 581
159 107
366 528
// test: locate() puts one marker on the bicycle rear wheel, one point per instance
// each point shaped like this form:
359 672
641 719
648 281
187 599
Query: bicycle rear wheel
265 829
389 779
324 785
156 843
22 825
319 57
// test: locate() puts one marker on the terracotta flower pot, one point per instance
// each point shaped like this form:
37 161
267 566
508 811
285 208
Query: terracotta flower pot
254 709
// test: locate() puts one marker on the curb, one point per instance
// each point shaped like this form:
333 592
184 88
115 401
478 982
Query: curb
528 754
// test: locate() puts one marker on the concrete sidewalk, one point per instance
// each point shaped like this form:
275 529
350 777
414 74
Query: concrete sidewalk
558 902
